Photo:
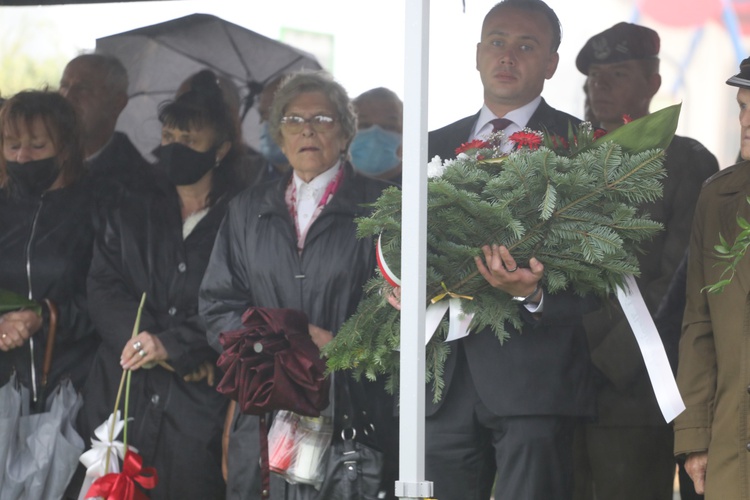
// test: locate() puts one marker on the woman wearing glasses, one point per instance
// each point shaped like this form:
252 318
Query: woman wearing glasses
293 244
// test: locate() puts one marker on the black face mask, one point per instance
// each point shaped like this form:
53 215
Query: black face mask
33 177
182 165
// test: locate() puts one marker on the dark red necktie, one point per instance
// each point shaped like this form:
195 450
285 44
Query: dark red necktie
499 124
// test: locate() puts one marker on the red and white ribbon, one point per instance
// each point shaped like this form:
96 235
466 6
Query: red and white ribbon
458 321
389 276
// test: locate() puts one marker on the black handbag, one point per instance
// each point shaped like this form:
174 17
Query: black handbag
353 469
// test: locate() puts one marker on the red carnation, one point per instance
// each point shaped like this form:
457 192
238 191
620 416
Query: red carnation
598 133
526 138
475 144
559 141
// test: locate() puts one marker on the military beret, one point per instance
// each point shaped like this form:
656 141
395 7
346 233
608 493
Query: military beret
622 42
741 79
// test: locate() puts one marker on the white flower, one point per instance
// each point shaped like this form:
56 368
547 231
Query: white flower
95 459
435 167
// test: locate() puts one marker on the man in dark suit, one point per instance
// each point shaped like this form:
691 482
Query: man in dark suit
627 452
510 410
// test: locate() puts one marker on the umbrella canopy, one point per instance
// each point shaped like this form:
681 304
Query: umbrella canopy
161 56
38 452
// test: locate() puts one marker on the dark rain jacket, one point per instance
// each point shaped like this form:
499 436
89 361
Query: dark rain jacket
45 252
177 425
256 263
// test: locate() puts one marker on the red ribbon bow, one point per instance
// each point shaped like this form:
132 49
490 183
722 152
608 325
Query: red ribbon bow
121 486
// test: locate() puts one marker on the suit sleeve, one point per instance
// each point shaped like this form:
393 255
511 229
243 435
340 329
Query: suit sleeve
697 368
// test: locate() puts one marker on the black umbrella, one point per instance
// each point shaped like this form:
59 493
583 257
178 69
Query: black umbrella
161 56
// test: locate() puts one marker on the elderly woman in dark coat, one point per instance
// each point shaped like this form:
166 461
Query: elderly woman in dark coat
159 242
293 244
46 238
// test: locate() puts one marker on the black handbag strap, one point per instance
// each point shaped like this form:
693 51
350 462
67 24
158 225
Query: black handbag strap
352 419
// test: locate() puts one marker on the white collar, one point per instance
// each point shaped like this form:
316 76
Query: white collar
319 182
519 116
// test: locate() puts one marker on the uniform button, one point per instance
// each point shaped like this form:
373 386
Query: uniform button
748 389
155 399
181 267
747 446
172 311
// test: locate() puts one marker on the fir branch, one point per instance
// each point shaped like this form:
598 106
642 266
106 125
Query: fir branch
578 214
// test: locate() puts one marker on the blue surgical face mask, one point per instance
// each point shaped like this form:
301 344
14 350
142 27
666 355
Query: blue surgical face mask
269 149
374 150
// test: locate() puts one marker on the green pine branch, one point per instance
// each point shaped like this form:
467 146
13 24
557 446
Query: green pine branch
578 215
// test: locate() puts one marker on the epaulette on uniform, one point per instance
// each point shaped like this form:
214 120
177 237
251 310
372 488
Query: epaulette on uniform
727 171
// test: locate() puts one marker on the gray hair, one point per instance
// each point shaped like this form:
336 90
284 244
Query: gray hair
312 81
114 74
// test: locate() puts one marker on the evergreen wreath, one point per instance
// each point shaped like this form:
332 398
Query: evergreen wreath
573 203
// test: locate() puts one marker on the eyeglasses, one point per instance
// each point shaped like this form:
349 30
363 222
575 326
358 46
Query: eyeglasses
319 123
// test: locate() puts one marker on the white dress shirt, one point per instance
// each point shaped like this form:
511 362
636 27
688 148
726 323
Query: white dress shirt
519 118
310 193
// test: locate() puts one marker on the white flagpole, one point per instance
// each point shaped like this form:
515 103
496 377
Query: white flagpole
411 482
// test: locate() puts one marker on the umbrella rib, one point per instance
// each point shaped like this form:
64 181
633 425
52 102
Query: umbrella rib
236 51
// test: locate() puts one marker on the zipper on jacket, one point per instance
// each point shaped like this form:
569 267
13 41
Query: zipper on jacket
31 295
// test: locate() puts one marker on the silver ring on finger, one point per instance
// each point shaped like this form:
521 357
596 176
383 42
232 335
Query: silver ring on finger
137 346
512 270
142 353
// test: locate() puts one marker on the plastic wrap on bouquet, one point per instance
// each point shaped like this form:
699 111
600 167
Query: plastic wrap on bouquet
298 447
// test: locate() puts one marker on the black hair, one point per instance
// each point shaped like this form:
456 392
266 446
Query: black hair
203 105
534 6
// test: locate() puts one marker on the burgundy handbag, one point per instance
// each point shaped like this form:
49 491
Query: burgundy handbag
271 363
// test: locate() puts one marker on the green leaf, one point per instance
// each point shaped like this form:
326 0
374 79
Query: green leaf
718 286
10 301
653 131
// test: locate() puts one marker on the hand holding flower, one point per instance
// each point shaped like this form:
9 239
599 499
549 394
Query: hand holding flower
142 351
